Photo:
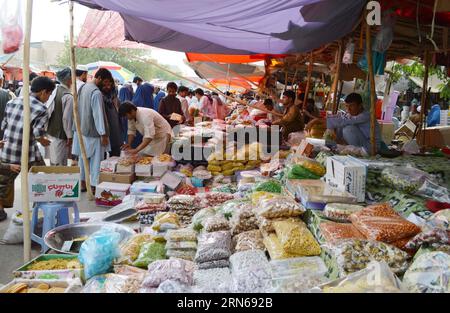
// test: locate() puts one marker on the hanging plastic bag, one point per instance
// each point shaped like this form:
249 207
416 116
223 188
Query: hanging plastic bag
385 36
98 252
349 52
11 25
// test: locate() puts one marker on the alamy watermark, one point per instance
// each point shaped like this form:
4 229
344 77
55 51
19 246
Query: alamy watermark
373 17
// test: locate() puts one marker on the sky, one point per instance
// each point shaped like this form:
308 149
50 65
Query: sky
51 22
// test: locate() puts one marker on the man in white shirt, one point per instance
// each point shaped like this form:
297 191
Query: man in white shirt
156 131
182 93
81 72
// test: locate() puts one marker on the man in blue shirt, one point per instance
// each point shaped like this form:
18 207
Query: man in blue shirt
353 127
159 95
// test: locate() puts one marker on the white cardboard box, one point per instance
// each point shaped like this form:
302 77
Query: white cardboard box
143 170
125 169
109 165
54 183
111 194
347 174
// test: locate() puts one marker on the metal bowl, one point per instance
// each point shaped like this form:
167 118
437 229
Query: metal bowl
56 237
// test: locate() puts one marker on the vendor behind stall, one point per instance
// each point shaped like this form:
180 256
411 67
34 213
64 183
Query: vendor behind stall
154 128
352 128
292 120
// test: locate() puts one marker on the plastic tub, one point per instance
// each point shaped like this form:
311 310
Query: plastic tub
197 182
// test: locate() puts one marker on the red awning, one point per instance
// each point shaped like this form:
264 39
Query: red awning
225 58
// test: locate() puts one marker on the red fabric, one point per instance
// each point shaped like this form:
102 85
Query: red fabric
435 206
225 58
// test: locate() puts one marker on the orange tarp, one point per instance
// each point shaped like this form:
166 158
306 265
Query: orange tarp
226 58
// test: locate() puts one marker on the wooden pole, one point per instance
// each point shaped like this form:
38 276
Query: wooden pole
372 90
286 78
308 82
423 99
75 107
339 55
26 135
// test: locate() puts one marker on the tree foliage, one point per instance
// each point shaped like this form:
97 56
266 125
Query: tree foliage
144 70
417 69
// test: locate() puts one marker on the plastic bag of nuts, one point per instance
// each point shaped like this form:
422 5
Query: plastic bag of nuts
213 246
277 207
243 219
172 269
216 222
249 240
295 238
340 212
338 231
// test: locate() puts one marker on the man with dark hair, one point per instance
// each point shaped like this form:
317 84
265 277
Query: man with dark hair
156 131
5 97
112 105
60 125
138 81
159 96
353 128
292 120
94 126
204 104
182 94
12 125
170 106
81 72
310 111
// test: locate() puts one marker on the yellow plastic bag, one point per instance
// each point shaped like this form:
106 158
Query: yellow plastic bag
214 168
129 251
295 238
167 218
228 173
216 173
259 195
311 165
254 162
227 166
275 248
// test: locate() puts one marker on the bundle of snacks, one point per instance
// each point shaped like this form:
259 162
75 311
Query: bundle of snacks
249 240
280 206
184 206
406 179
216 280
309 164
429 273
211 199
432 236
348 256
337 231
250 271
215 223
165 221
299 172
441 219
363 281
164 158
382 223
145 160
243 219
295 238
181 243
185 189
173 286
54 264
199 218
38 286
300 266
129 251
275 249
297 283
150 252
257 196
340 212
231 206
266 225
214 249
148 211
172 269
272 186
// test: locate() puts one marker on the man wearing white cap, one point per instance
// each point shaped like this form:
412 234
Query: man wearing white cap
60 120
82 72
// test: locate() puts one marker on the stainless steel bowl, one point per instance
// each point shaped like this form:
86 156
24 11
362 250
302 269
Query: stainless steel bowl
56 237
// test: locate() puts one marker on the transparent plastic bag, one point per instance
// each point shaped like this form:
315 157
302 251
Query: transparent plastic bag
300 266
199 218
333 232
255 279
216 280
149 253
405 178
186 254
165 221
213 264
213 246
129 251
173 286
433 236
266 225
340 212
98 252
352 255
295 238
178 270
297 283
215 223
280 206
385 35
311 165
11 25
182 234
376 278
242 261
249 240
441 219
382 223
243 219
211 199
275 249
433 191
429 273
272 186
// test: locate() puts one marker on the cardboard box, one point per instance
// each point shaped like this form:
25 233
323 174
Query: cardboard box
141 188
109 165
159 169
111 194
143 170
171 180
407 129
54 183
346 173
117 178
305 148
125 169
435 137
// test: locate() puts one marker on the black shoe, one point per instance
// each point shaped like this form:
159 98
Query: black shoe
3 215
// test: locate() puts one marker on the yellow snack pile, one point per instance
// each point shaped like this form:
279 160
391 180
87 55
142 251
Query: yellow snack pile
295 238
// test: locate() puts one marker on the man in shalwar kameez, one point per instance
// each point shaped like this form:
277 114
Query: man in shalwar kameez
94 126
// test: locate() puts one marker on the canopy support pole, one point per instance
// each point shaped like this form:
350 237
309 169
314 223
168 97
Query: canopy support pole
308 82
75 107
371 75
334 89
423 99
26 135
